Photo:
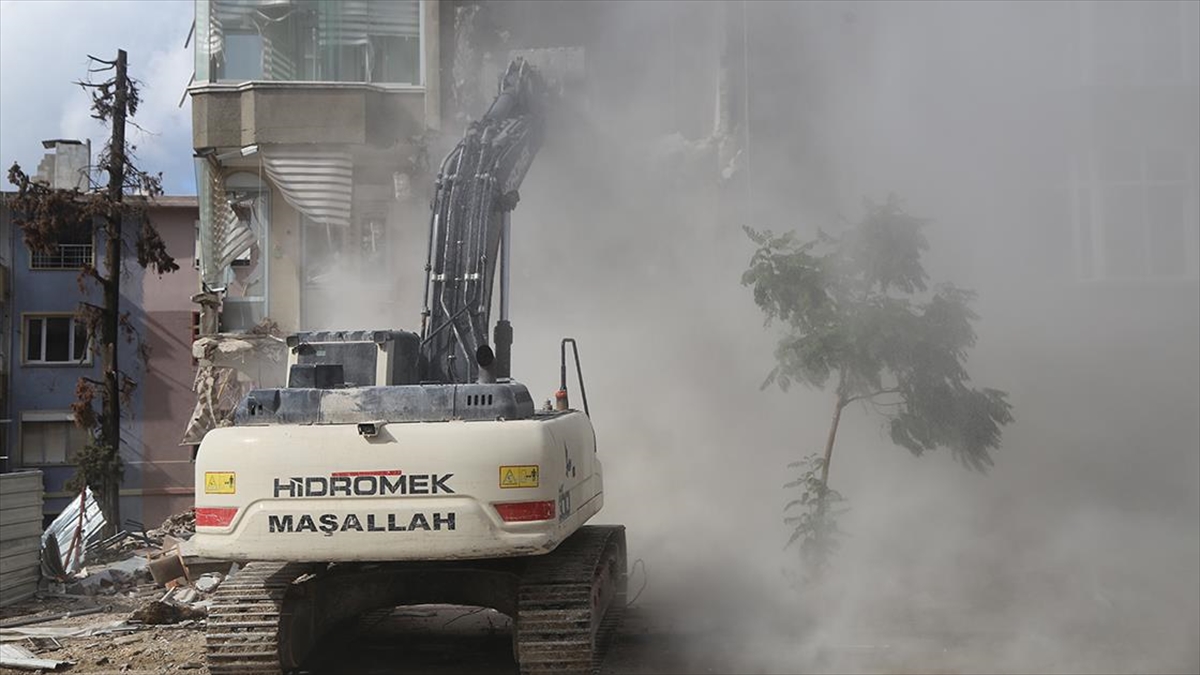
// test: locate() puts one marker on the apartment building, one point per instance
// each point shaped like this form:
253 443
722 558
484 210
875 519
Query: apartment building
47 352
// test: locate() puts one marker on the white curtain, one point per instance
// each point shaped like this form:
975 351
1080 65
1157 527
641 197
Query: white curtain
351 21
231 13
317 183
223 236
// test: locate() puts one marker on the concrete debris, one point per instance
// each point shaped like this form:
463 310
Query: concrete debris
16 656
180 525
208 583
157 612
135 567
182 596
122 576
229 366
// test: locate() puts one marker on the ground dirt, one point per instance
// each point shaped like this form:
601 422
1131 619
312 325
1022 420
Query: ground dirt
425 639
133 649
449 640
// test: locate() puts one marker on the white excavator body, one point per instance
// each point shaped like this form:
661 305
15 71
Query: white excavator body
450 490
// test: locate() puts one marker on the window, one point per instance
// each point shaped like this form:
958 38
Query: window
1135 214
316 41
245 301
74 251
1132 42
321 254
55 339
372 231
243 56
50 438
195 336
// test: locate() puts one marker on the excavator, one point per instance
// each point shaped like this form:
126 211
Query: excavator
401 468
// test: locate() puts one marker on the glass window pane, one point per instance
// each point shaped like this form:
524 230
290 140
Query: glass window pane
201 40
1084 226
1167 206
81 341
32 443
1124 231
1166 165
243 57
1118 166
321 253
1116 46
58 339
395 59
33 340
56 442
1164 47
77 437
367 42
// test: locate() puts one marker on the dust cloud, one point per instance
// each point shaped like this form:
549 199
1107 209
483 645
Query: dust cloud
1080 551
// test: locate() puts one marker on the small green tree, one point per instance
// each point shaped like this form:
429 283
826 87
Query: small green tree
858 312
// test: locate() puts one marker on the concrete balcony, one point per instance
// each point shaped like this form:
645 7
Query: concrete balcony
351 113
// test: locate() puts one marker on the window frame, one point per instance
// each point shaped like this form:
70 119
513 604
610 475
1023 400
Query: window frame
1087 191
307 64
49 258
1138 58
244 182
26 317
43 417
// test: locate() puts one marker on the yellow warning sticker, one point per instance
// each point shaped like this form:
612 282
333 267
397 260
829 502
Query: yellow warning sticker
219 483
525 476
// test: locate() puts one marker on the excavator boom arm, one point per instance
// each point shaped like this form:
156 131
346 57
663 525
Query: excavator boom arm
476 190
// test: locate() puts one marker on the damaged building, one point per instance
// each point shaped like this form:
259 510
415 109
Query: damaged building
314 126
309 126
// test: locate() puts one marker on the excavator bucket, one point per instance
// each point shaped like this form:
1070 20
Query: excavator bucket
562 68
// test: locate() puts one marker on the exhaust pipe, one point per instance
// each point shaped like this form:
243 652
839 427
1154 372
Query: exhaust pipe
503 337
485 358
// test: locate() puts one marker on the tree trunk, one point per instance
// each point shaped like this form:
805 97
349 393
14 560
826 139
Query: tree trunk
833 427
110 427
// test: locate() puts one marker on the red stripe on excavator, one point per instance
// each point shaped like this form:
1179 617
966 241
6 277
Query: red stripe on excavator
393 472
520 512
219 516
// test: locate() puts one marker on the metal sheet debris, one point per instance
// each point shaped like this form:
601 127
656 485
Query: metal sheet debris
16 656
20 633
79 525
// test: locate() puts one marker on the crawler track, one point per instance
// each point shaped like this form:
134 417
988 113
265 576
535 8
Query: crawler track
244 622
570 602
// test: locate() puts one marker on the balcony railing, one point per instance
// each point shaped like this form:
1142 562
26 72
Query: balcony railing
65 257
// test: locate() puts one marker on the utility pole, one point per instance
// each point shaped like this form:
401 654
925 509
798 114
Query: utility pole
110 325
48 215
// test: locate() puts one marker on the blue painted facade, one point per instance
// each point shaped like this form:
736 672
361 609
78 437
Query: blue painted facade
51 388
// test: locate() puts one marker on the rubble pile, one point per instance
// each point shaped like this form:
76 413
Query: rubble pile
124 587
181 526
158 612
136 566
